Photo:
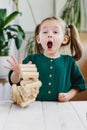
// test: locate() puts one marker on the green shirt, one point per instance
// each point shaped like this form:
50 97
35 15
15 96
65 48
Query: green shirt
57 75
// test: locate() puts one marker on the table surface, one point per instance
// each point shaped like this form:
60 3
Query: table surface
44 116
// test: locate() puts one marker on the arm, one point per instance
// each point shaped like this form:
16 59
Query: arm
77 82
64 97
15 77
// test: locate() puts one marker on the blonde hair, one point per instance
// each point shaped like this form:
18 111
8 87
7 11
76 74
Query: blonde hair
74 39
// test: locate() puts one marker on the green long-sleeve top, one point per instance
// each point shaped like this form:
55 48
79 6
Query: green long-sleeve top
57 75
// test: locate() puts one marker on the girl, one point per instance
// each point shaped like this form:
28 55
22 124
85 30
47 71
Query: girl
60 76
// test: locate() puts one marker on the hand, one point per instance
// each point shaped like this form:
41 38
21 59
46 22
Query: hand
63 97
14 64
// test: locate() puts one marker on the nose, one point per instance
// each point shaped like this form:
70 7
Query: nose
49 35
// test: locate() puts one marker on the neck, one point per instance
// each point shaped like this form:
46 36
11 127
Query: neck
52 55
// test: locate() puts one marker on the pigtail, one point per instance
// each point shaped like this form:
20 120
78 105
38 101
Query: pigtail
36 33
75 45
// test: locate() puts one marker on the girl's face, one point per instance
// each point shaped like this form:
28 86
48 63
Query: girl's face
51 37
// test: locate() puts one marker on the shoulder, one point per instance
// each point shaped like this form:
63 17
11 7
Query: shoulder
32 58
68 58
69 62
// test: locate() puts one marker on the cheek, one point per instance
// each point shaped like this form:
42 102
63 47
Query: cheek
42 39
60 38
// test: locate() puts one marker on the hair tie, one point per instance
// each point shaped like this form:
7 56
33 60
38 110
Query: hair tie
67 29
67 26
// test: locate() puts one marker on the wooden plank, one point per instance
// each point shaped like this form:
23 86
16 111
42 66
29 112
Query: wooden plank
81 109
29 118
60 116
4 112
50 116
45 116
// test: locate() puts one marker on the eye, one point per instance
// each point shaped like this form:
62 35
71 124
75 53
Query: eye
45 32
55 32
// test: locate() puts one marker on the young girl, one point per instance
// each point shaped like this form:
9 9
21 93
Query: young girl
60 76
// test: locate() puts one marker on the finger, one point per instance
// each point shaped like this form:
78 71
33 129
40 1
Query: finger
30 62
14 59
62 99
7 67
20 59
9 62
61 95
65 94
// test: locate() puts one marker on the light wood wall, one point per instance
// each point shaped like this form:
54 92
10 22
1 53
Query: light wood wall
83 61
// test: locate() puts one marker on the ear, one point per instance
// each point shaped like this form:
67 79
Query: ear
66 39
38 39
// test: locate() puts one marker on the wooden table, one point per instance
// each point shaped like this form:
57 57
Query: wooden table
44 116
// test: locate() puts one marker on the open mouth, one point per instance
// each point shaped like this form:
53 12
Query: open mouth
49 44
